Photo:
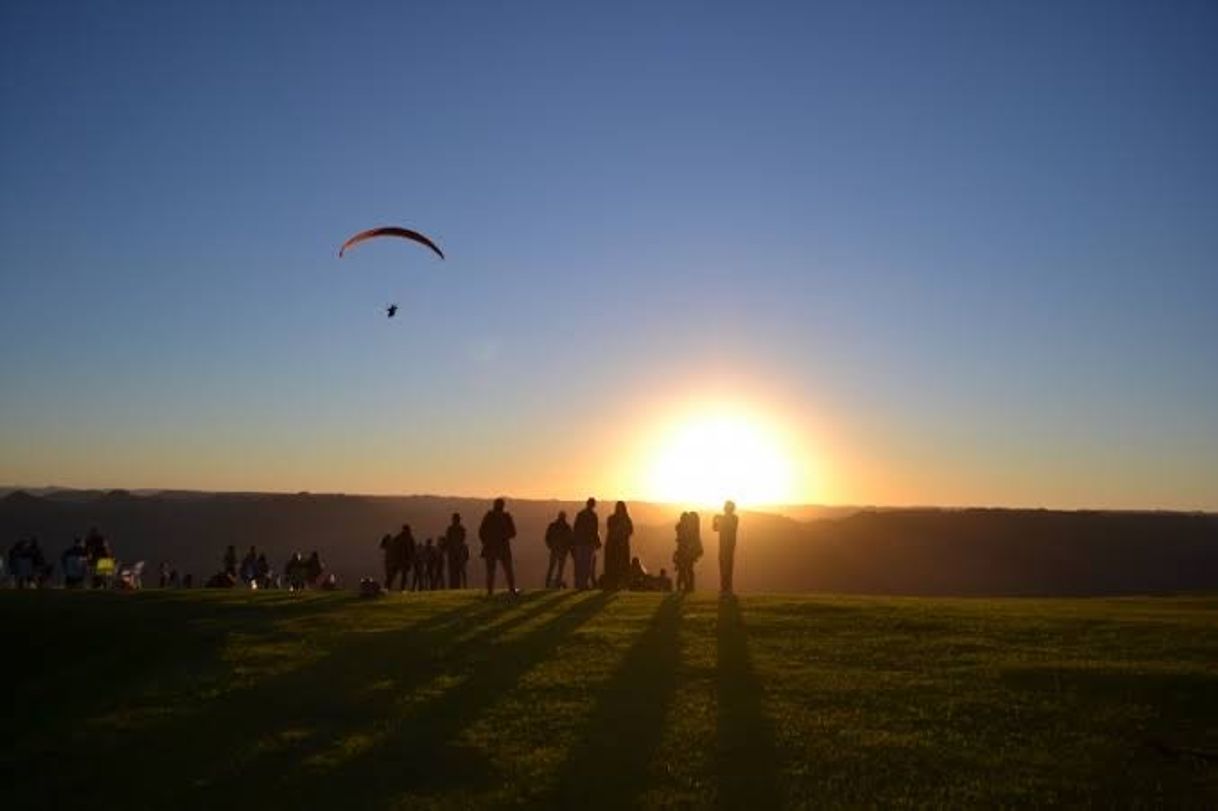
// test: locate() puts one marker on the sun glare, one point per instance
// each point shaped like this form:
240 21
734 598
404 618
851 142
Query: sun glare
707 458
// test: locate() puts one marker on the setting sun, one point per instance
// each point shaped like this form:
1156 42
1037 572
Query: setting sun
706 458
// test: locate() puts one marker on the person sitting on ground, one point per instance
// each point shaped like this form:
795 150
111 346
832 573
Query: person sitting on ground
95 546
642 580
75 562
98 549
558 541
14 554
24 568
371 589
496 533
665 582
222 579
638 577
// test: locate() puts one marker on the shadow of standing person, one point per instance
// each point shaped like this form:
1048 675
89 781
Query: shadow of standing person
747 756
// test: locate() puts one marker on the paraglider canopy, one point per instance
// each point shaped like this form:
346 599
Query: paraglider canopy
390 231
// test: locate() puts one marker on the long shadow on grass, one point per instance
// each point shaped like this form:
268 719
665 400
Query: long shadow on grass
747 758
420 753
353 691
610 766
107 680
212 745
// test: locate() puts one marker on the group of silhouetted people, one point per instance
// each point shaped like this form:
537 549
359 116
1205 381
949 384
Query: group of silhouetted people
422 566
428 566
87 561
621 570
436 563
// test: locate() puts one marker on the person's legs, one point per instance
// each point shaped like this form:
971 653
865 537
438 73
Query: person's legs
727 560
508 571
689 576
550 568
562 564
583 566
490 576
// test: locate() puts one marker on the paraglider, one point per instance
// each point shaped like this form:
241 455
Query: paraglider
390 231
391 310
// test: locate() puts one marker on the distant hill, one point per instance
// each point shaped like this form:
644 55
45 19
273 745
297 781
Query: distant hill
893 551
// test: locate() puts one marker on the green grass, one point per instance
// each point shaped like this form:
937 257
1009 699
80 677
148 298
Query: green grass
230 700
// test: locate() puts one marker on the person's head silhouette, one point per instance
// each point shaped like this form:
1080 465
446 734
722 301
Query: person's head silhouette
591 504
729 506
499 505
456 518
562 515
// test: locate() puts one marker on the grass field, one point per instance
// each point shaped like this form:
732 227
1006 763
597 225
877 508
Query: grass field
219 700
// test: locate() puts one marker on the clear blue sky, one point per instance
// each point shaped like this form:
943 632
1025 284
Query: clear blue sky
968 251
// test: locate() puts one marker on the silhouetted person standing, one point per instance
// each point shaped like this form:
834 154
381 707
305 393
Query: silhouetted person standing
456 552
689 550
432 564
249 566
496 533
558 540
314 569
618 529
726 525
396 548
585 538
230 561
418 564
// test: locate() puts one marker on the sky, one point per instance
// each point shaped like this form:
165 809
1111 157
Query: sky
935 253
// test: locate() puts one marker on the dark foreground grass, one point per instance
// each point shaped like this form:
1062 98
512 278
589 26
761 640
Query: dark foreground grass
269 700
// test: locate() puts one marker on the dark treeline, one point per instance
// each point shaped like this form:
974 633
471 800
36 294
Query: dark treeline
907 551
